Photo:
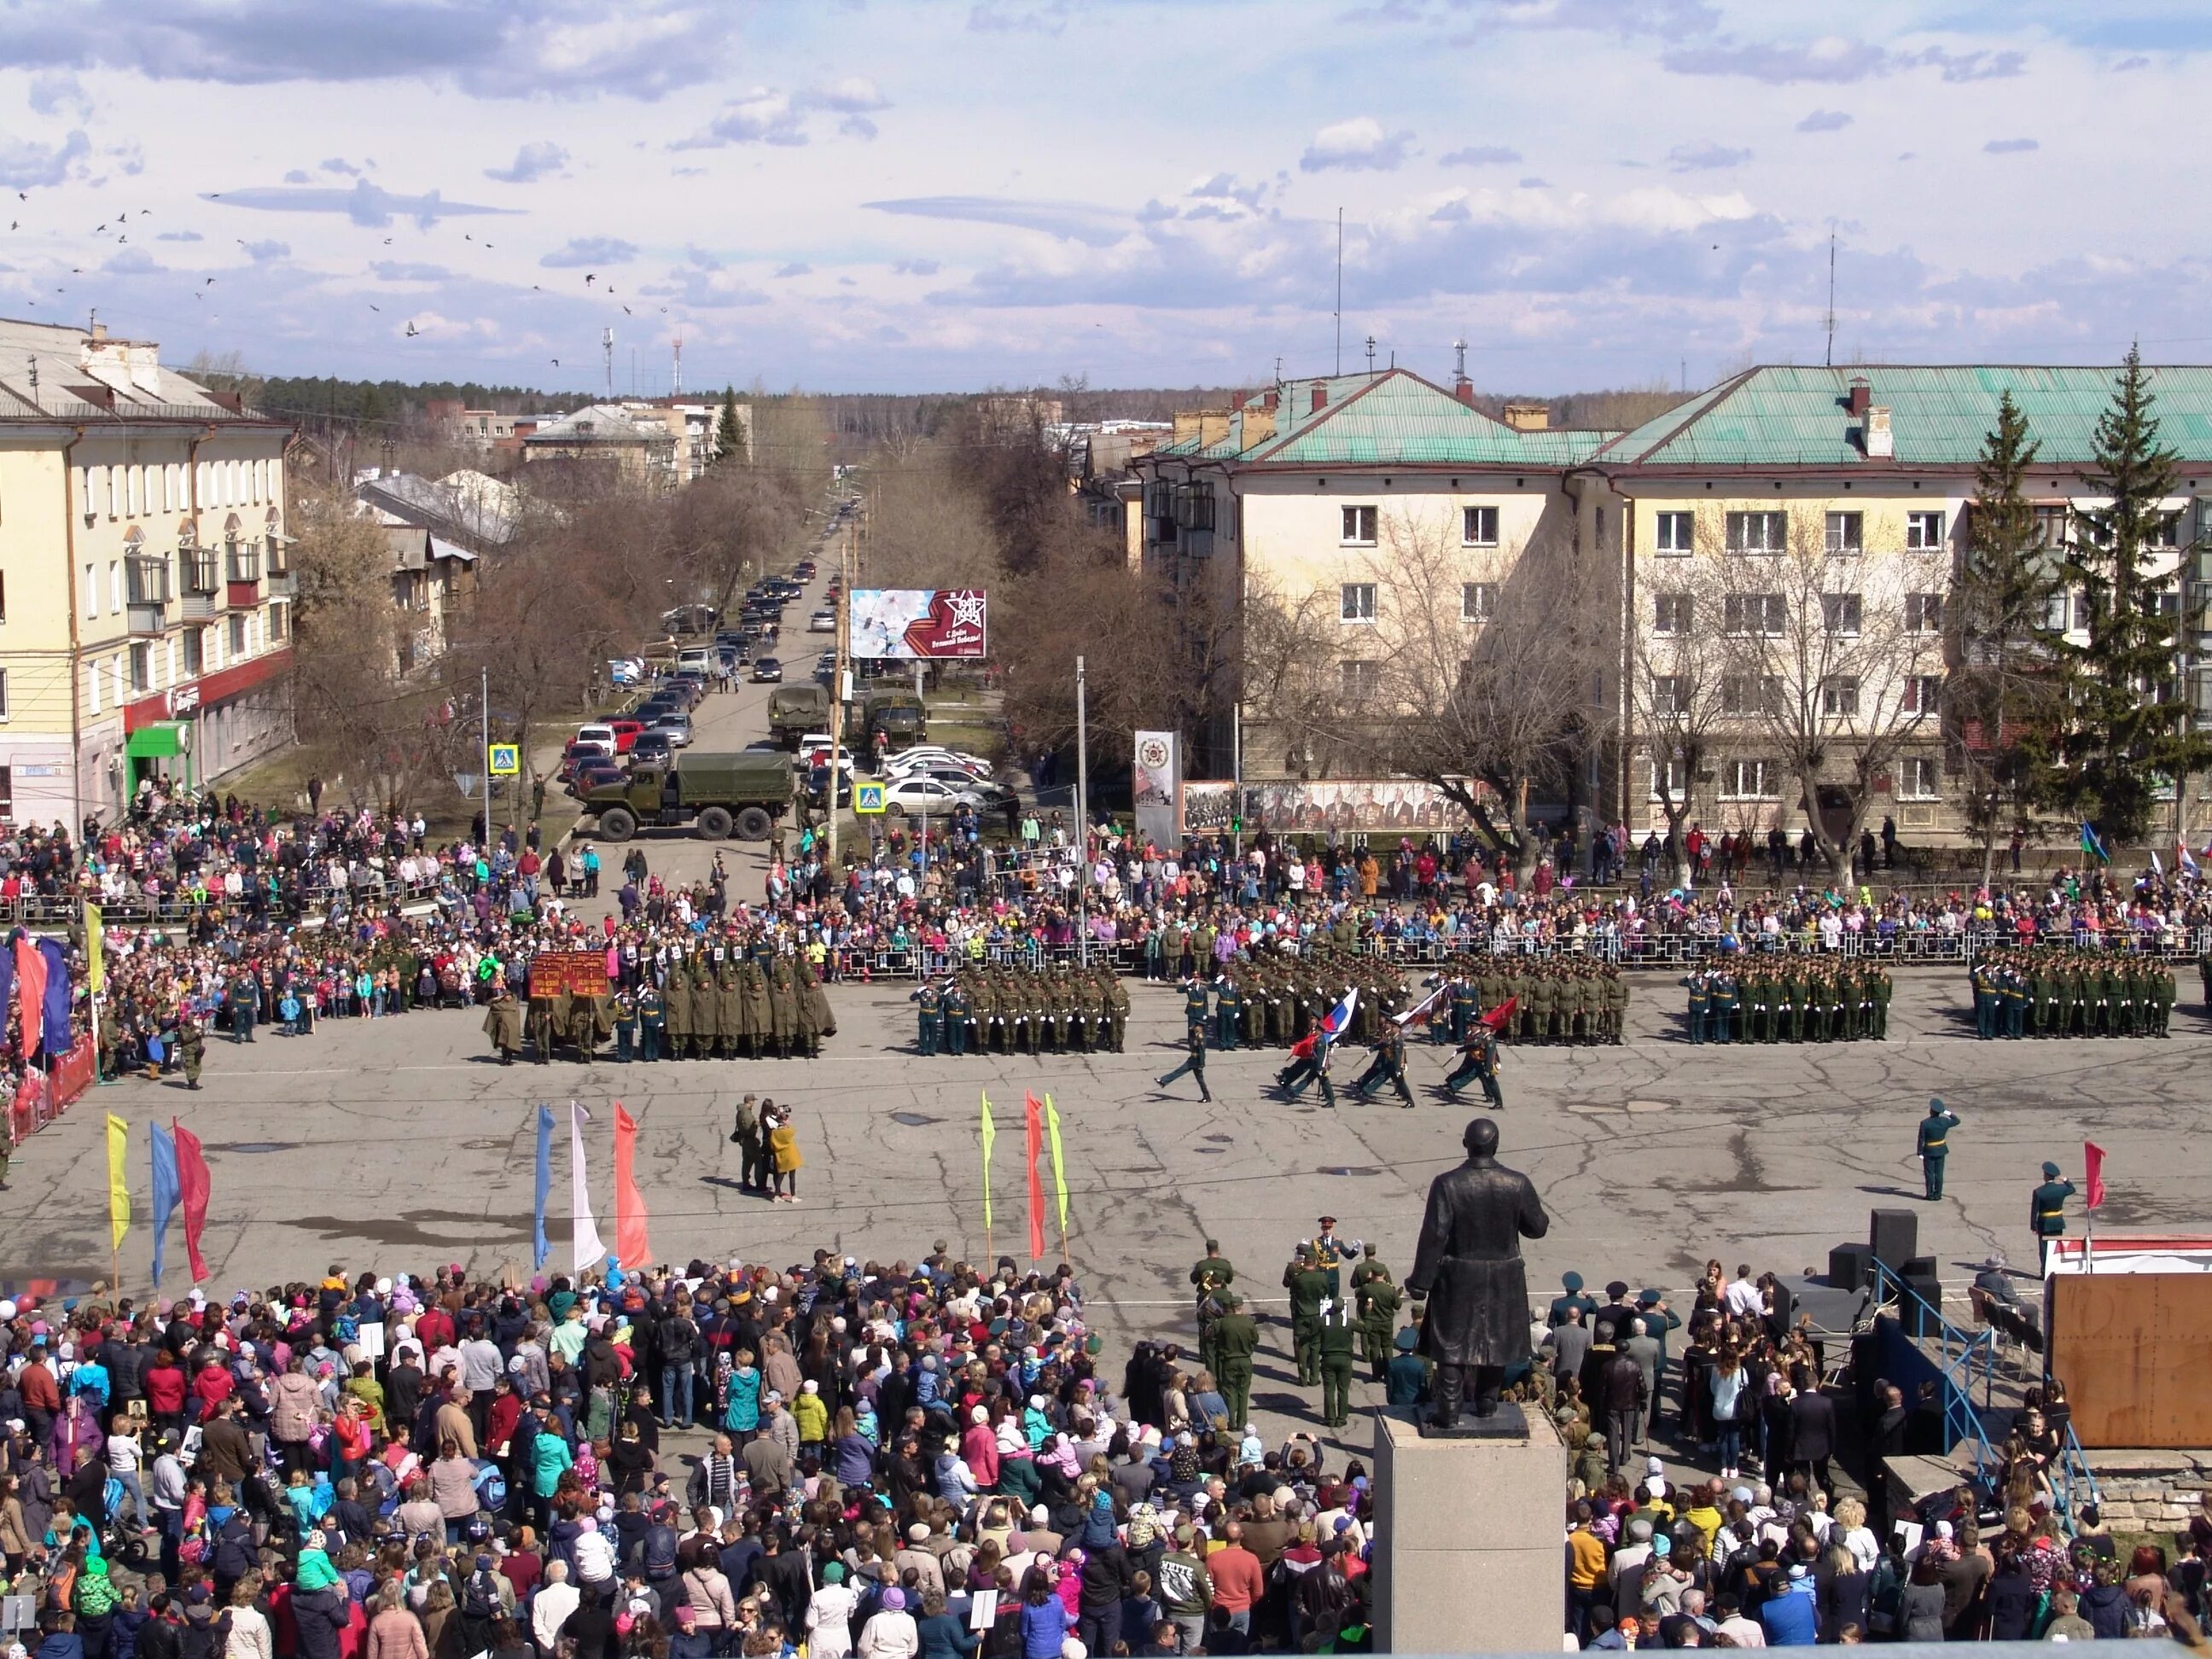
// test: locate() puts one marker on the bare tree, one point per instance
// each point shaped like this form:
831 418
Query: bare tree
1296 712
1481 671
1833 657
1680 668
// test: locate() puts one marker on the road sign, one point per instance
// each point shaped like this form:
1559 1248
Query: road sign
505 760
868 797
466 783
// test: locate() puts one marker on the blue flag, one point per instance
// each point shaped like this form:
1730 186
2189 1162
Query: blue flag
55 1030
2094 844
539 1249
168 1188
7 978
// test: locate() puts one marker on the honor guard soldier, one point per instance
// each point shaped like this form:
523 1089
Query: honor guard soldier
929 1016
2046 1211
1236 1339
1935 1144
1389 1066
1194 1002
952 1010
1228 1013
1479 1048
1334 1334
1466 1008
1721 995
1700 1002
1309 1288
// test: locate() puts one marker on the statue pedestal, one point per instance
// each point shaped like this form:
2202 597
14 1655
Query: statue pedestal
1468 1557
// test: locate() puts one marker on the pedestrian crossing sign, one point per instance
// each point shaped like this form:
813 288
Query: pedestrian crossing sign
504 760
868 797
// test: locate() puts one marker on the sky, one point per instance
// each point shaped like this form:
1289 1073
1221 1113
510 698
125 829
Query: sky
950 195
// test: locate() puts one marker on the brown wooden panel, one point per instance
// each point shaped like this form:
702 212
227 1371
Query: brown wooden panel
2134 1351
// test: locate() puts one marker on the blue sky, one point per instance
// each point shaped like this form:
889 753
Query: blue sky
953 194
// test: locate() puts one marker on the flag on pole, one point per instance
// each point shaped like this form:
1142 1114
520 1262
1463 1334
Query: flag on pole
95 960
55 1006
2184 861
1502 1015
30 994
632 1247
1338 1020
1059 1165
167 1191
1033 1125
539 1249
2156 868
1423 1007
2092 1161
989 1134
589 1251
119 1180
2092 844
193 1180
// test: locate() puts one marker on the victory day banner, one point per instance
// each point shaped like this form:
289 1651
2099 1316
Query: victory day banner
918 624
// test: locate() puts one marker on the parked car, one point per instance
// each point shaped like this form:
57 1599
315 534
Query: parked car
823 621
617 734
990 798
656 747
767 670
678 730
591 775
625 670
578 751
921 795
804 571
952 777
927 756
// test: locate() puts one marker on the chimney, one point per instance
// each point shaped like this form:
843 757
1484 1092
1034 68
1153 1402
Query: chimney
1271 402
1237 400
1529 417
1320 395
1463 389
1186 425
1258 422
99 331
1861 395
1212 427
1880 441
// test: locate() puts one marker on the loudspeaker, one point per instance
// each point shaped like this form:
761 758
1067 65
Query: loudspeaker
1786 1306
1918 1321
1920 1267
1849 1266
1894 1238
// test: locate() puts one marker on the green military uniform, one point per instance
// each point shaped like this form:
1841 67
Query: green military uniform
1235 1339
1333 1334
192 1049
929 1019
1376 1299
1209 1282
2046 1211
1228 1013
955 1019
1309 1288
1935 1144
503 1025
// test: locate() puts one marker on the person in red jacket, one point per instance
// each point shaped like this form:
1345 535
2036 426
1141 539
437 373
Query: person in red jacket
212 1387
42 1394
166 1388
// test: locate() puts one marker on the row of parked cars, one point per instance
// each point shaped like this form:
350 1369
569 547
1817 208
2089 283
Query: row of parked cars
927 778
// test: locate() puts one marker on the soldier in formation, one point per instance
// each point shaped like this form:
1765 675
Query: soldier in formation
503 1023
1273 1001
1376 1297
1788 999
1558 1000
2060 991
1061 1008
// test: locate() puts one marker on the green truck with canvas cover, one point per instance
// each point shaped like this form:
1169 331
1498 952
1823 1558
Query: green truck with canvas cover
900 715
721 795
795 710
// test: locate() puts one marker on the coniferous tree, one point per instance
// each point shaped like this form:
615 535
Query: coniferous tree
729 436
2124 742
2002 697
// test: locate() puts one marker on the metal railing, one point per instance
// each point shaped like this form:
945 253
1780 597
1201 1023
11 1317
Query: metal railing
1961 1359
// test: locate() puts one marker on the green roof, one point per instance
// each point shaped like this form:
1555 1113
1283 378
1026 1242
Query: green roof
1939 416
1391 418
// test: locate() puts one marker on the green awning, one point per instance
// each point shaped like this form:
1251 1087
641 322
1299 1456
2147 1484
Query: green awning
162 740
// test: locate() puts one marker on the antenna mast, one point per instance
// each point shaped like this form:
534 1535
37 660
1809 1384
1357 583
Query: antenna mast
1831 358
607 351
1340 290
676 375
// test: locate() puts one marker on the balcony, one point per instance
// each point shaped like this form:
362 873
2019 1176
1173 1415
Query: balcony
242 595
148 618
201 607
283 585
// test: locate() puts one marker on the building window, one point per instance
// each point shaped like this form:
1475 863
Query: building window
280 623
2059 611
1840 613
149 579
141 667
1673 776
84 490
1919 777
1745 695
1478 526
1845 534
115 491
1755 613
2051 527
195 650
7 794
1359 601
169 487
1359 527
1672 613
237 635
1923 693
1839 696
1924 531
1923 613
2167 531
131 475
1360 680
92 589
1194 506
1751 780
1670 693
243 561
1758 532
4 710
1676 532
1478 601
196 568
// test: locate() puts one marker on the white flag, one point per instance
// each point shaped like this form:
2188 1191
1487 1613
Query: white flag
589 1251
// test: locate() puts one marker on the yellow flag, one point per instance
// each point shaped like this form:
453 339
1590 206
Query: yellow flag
990 1134
95 966
118 1189
1058 1167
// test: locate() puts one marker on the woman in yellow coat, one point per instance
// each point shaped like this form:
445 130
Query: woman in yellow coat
783 1156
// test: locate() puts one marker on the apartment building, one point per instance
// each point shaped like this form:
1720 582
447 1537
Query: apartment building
145 581
643 443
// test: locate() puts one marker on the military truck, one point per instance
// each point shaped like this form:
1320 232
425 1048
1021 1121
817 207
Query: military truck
720 794
795 710
898 712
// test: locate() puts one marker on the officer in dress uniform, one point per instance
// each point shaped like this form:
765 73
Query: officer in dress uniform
953 1009
929 1017
2046 1211
1228 1013
1935 1144
1696 981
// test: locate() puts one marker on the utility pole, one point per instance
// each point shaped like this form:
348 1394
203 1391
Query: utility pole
1082 823
483 755
838 684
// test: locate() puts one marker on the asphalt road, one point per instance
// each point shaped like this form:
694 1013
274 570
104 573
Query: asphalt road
372 1144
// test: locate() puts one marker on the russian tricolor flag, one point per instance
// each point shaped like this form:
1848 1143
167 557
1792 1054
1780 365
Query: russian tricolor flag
1333 1022
2183 859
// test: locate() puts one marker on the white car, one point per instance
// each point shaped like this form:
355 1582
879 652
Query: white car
928 758
921 795
679 737
821 621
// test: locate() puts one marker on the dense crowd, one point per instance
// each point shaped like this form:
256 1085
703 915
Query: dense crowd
908 1459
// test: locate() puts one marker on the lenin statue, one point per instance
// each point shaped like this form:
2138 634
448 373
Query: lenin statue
1468 1266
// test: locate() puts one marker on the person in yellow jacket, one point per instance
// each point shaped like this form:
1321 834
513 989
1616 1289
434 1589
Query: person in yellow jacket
811 1414
783 1152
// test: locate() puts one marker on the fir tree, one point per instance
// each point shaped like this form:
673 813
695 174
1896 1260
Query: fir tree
2124 743
729 436
2001 699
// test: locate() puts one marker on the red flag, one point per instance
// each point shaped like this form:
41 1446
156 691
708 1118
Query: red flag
193 1187
1033 1115
1498 1017
632 1247
2093 1158
30 992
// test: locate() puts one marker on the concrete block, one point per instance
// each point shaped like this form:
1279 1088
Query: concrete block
1468 1557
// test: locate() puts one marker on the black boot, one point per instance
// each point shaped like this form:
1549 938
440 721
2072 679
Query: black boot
1444 1413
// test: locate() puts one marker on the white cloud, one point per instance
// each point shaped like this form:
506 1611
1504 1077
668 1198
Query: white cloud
2010 146
855 95
55 94
532 162
1358 144
762 117
1702 158
25 164
590 251
262 252
1479 156
1824 120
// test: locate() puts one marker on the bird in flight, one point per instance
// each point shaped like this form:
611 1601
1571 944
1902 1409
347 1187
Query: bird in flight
412 331
557 363
376 307
626 311
589 278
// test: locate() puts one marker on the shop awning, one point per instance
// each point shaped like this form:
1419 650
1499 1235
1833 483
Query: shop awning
161 740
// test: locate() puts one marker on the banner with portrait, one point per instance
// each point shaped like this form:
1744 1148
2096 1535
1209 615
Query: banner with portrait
1343 806
1155 784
